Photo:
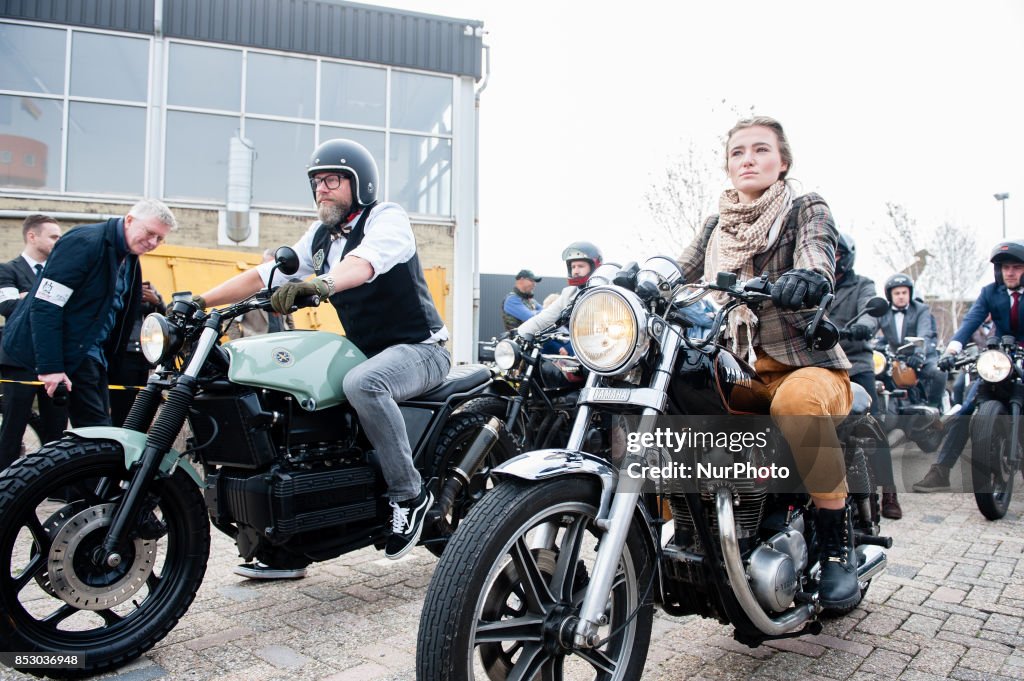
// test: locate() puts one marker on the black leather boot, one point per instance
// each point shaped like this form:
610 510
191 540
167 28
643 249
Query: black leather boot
839 589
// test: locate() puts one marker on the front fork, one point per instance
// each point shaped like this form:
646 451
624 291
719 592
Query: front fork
158 442
620 515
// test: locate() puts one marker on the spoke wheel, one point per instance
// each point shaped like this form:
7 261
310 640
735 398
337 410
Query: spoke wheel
505 598
54 592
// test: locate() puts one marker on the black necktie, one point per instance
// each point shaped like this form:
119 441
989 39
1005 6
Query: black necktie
39 270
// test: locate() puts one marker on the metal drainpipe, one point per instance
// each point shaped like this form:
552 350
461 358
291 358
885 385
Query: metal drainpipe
476 204
62 215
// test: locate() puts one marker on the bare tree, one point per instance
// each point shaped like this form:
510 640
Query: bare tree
681 199
686 192
955 269
897 246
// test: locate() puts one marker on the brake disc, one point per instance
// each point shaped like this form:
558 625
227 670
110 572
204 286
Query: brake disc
51 526
78 581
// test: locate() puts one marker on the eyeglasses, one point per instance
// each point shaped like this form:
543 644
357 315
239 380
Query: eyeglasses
329 181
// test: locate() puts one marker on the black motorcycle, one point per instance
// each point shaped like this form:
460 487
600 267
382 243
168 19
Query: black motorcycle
904 412
995 425
105 533
555 573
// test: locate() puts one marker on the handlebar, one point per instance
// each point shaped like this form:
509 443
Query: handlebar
752 293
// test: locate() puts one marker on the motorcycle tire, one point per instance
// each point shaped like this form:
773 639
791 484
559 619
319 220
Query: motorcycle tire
991 475
501 595
497 406
458 434
54 597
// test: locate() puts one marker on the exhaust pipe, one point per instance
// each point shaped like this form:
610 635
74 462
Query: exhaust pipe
777 626
463 471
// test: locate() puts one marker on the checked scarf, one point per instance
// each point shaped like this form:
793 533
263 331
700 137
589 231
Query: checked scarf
743 231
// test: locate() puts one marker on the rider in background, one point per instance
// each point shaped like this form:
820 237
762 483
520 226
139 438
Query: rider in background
1001 300
907 317
853 291
581 259
764 226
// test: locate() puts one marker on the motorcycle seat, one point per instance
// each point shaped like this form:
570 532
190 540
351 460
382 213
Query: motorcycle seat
459 380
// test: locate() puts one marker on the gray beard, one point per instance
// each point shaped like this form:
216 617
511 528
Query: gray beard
331 214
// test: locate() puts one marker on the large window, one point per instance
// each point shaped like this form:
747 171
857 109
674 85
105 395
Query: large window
81 134
78 110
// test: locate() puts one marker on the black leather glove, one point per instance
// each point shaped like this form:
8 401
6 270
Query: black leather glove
946 362
798 289
914 361
861 332
283 299
198 300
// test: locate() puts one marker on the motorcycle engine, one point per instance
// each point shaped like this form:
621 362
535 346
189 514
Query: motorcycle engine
774 569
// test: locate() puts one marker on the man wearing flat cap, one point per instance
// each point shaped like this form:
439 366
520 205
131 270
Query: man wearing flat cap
519 304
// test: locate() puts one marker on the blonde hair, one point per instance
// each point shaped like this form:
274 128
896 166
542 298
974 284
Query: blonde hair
765 122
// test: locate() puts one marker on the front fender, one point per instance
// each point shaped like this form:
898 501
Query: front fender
134 443
544 464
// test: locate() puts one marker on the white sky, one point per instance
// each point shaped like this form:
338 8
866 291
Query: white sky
907 101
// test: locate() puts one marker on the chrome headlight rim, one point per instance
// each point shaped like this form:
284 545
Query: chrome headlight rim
663 274
994 366
155 338
506 354
638 317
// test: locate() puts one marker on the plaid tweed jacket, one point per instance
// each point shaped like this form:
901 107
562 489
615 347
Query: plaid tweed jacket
807 241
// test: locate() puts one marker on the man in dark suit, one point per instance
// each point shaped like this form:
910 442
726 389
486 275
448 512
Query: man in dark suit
17 277
1001 300
86 298
910 317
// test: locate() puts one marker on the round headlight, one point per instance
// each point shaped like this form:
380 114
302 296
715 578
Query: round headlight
506 354
994 365
878 360
154 337
608 328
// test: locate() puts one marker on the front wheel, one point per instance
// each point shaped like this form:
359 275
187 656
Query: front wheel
56 596
504 599
991 459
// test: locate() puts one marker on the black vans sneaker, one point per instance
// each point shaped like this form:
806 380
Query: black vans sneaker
407 523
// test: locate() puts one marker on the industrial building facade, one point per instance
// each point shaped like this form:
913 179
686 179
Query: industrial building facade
106 101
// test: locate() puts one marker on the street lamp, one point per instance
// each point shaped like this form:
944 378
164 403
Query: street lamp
1001 198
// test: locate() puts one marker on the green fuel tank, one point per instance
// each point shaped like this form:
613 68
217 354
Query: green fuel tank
309 365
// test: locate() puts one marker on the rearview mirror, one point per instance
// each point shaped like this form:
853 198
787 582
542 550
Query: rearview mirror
877 306
287 260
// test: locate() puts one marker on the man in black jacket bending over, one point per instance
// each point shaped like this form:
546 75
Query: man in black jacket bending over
91 285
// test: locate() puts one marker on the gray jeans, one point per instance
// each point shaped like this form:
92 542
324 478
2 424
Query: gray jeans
375 387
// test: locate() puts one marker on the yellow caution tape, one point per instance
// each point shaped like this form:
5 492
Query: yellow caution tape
112 387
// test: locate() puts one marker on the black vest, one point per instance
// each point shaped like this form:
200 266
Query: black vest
393 309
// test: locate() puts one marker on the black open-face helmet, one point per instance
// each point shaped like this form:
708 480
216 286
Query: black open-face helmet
581 250
895 281
1004 252
350 159
846 253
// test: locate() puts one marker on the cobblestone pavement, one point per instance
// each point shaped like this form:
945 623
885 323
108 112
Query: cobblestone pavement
950 605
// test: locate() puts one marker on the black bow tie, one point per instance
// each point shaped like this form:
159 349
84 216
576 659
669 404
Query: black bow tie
901 310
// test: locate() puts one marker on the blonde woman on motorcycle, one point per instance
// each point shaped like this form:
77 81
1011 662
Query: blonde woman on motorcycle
763 226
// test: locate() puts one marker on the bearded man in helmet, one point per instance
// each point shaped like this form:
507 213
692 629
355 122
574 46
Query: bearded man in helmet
1001 300
363 254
